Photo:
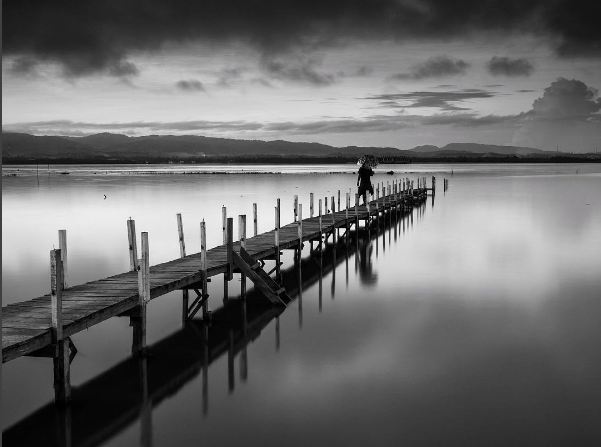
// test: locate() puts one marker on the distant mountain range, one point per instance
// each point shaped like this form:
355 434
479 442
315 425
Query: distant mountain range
117 148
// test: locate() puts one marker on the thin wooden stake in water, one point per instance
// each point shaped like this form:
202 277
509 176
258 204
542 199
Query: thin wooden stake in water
224 223
255 221
62 245
144 271
182 254
56 294
133 249
242 238
338 200
300 224
320 207
180 233
311 205
203 268
277 241
295 208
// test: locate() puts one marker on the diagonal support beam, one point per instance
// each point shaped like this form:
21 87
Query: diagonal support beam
262 281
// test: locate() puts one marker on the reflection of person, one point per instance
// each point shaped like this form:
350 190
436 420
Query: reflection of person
366 273
364 181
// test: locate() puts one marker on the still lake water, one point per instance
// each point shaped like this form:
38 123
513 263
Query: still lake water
478 323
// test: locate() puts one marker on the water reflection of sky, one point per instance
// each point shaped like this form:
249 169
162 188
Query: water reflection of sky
482 327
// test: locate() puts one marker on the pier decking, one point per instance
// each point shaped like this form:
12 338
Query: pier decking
42 326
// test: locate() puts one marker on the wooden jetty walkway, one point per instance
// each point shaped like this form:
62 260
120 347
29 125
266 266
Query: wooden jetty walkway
175 361
43 326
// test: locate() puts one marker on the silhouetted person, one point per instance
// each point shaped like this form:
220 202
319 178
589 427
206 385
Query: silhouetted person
364 181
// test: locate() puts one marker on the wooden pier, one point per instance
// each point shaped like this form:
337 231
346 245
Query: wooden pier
43 326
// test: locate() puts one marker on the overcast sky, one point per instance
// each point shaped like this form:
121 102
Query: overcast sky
380 72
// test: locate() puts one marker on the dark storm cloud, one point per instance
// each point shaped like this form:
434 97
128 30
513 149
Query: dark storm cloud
88 37
300 69
190 85
442 100
435 67
505 66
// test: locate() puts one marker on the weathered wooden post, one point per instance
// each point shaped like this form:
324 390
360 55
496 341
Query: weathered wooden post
277 240
311 205
300 226
62 245
300 233
242 238
224 223
346 208
338 208
137 318
203 269
182 254
320 231
255 221
133 249
320 211
433 185
229 246
62 374
334 229
295 207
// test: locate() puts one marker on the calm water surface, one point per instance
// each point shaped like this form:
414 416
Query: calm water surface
477 321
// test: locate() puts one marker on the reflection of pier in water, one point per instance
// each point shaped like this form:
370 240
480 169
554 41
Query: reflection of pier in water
110 402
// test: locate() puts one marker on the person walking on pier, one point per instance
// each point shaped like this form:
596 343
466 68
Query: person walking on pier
364 176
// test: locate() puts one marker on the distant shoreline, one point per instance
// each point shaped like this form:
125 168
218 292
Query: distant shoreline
575 158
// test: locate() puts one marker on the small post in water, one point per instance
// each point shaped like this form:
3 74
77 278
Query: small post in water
295 207
203 269
229 246
255 221
242 238
182 254
133 249
224 223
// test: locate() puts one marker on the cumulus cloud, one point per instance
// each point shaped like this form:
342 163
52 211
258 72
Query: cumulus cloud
505 66
435 67
190 85
566 115
99 37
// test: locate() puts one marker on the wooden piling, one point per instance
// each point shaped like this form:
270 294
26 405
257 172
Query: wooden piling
338 208
133 249
255 221
224 223
60 359
56 294
320 211
182 254
295 208
203 269
242 238
62 245
228 275
311 205
300 226
277 241
180 233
